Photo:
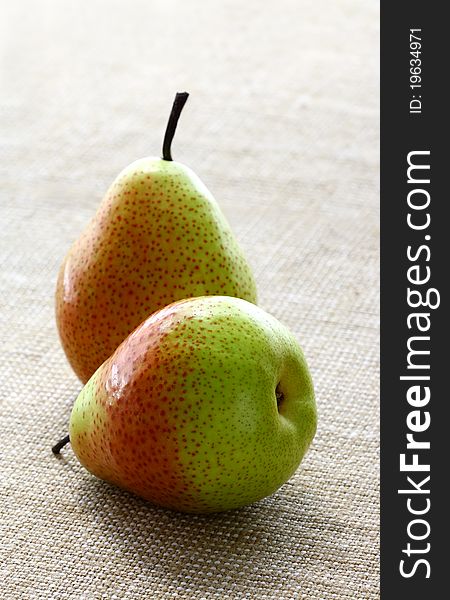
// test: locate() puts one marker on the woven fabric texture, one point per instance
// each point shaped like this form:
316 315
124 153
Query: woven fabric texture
282 126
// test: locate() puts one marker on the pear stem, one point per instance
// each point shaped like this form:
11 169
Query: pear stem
57 447
178 103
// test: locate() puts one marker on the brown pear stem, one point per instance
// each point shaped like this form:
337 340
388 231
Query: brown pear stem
57 447
178 103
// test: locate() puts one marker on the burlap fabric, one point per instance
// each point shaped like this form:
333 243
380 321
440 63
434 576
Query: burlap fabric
282 125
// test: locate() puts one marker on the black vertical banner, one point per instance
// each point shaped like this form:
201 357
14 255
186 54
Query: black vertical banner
415 267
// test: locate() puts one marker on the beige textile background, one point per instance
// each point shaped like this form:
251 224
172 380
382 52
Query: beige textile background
282 125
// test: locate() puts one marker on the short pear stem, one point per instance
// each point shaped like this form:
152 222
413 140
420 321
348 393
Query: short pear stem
178 103
57 447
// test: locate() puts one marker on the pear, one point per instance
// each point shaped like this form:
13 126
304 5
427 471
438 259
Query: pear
207 406
157 237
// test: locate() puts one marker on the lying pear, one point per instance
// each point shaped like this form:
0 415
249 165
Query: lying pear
158 236
207 406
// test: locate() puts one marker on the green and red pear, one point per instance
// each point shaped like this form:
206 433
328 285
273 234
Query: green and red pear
207 406
157 237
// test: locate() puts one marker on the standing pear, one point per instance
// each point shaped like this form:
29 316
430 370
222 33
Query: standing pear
158 237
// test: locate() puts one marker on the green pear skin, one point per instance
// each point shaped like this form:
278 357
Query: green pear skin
207 406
